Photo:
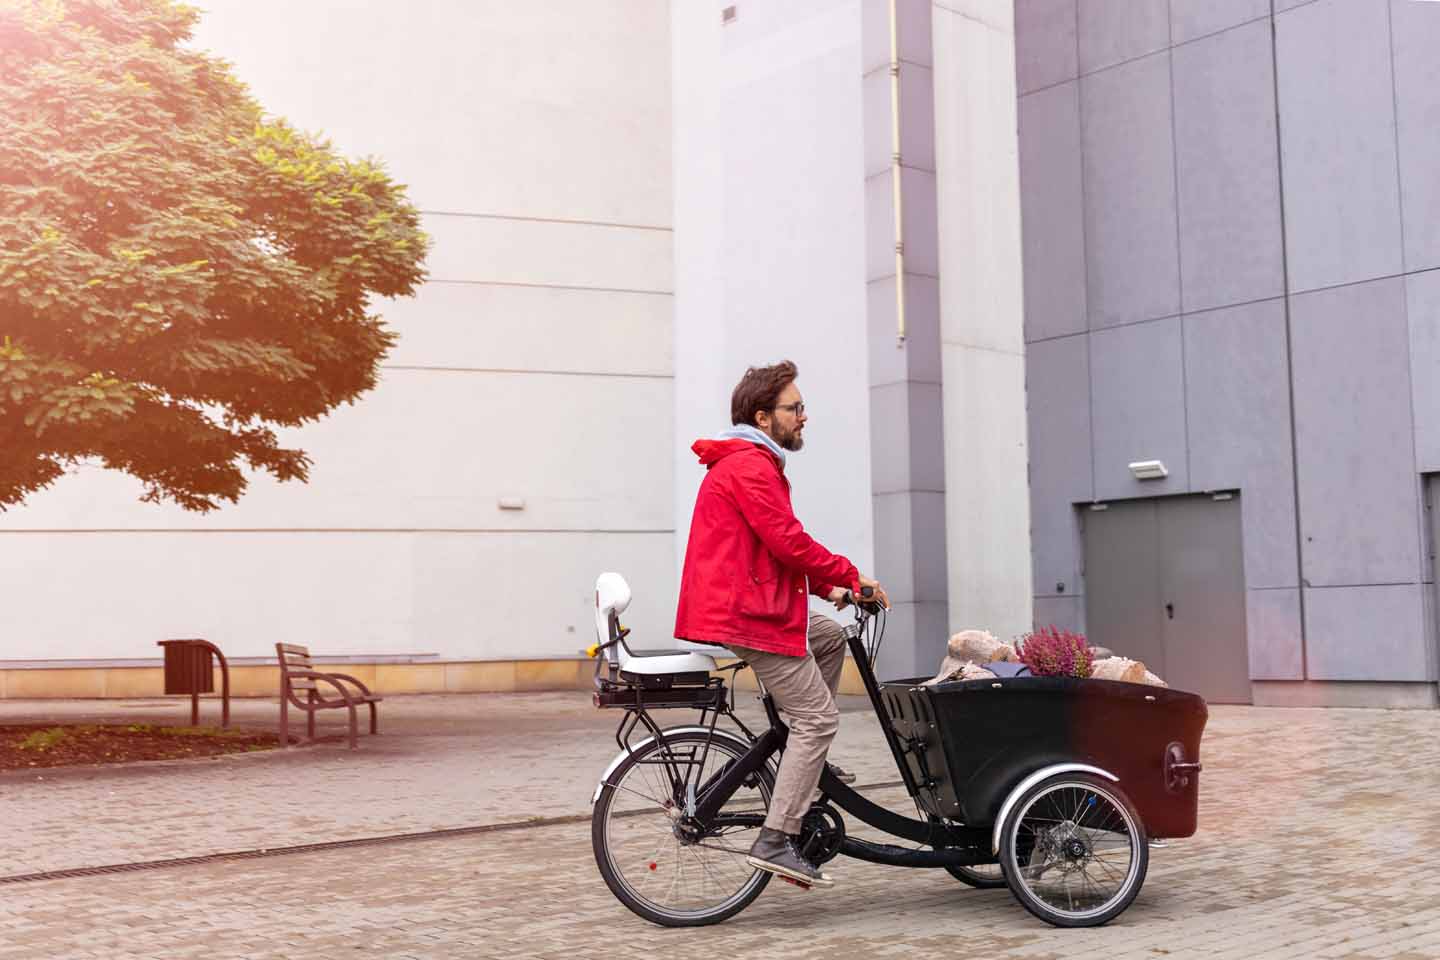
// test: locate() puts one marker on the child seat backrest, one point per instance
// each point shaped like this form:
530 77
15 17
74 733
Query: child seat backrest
612 596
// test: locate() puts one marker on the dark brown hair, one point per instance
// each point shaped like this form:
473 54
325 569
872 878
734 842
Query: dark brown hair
760 389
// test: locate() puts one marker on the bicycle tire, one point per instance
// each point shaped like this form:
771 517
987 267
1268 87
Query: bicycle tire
1063 826
640 884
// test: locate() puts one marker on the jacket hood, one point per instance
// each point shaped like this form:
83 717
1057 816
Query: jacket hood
711 451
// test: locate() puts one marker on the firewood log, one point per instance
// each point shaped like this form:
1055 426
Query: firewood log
979 646
973 671
954 669
949 667
1118 668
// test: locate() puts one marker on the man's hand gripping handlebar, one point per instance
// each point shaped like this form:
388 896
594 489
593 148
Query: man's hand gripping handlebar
872 597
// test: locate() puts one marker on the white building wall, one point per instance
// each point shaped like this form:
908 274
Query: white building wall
535 363
770 244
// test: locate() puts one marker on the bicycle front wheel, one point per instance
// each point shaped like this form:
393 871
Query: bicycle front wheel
654 860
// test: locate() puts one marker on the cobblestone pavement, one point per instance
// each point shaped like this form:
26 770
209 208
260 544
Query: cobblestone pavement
439 762
1316 839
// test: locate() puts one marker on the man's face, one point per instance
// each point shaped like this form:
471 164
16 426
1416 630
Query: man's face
785 423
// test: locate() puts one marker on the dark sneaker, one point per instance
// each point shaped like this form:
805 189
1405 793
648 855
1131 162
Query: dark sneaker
776 853
840 773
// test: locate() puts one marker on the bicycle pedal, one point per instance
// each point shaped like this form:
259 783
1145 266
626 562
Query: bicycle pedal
798 883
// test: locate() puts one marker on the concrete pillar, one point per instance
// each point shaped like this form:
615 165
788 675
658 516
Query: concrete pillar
987 510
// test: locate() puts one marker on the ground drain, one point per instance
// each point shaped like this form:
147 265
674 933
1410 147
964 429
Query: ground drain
76 872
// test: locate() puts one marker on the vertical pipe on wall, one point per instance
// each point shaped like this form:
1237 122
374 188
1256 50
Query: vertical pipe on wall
895 176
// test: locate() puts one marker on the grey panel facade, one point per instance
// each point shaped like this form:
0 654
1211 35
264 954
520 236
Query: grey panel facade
1416 37
1212 299
1367 633
1337 134
910 542
889 364
1112 31
1057 389
1052 216
1046 50
1423 312
1272 627
1228 169
1131 248
1237 400
1138 398
1355 445
1190 19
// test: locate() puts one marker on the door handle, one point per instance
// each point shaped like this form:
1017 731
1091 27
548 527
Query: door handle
1170 611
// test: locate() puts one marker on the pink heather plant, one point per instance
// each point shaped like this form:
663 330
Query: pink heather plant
1051 652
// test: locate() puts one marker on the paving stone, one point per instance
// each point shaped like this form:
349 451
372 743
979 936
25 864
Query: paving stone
1315 840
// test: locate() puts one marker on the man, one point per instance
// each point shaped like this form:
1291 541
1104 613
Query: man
744 587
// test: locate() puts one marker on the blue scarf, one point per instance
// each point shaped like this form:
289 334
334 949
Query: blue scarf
757 436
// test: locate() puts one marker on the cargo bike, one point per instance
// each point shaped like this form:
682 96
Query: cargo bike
1052 786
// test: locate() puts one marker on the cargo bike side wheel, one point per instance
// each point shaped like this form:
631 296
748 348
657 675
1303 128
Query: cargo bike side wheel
981 876
659 862
1074 850
985 876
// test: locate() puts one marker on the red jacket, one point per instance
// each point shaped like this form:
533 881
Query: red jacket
748 558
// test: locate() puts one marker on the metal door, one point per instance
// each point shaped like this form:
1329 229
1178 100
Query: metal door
1122 580
1202 582
1165 583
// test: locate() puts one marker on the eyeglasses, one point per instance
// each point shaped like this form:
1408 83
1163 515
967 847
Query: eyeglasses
798 407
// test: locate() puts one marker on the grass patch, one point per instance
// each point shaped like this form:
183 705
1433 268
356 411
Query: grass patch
44 739
50 745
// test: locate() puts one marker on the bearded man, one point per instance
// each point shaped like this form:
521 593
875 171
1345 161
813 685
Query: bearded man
749 565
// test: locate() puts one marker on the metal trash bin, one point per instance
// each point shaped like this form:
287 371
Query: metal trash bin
190 668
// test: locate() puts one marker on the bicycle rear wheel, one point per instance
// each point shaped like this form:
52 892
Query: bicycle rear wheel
653 859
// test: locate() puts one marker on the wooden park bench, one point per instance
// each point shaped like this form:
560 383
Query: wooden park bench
298 687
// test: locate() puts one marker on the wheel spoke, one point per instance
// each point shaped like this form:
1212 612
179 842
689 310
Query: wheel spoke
659 804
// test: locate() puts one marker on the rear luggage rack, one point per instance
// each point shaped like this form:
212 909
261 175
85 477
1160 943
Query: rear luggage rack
633 695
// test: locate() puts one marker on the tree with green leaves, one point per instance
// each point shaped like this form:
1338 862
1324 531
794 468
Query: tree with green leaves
179 274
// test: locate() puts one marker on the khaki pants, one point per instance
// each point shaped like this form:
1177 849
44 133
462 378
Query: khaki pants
804 689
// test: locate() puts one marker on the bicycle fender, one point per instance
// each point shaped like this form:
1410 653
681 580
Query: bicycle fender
1030 781
620 757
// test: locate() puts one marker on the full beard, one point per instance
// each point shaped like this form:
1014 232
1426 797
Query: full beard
791 441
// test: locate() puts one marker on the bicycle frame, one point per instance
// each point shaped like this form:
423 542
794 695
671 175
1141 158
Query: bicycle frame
951 844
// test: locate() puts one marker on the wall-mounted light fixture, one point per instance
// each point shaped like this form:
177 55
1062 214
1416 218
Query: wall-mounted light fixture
1148 470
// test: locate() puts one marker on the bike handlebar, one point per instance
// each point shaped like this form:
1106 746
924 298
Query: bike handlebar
863 602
